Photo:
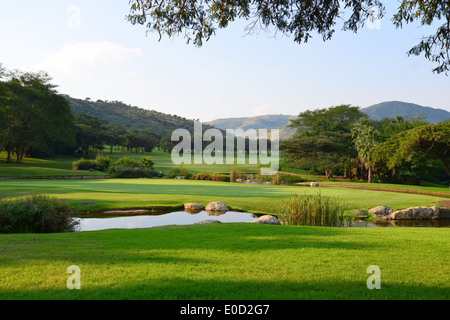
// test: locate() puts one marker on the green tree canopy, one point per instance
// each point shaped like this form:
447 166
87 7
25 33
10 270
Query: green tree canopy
323 140
33 115
198 20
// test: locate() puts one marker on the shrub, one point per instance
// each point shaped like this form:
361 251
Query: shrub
179 172
147 163
202 176
36 214
83 164
127 161
125 171
220 177
312 210
100 163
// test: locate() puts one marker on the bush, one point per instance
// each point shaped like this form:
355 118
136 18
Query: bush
202 176
179 172
100 163
124 171
220 177
127 161
147 163
36 214
83 164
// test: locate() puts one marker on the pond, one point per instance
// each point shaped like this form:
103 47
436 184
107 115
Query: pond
185 218
149 221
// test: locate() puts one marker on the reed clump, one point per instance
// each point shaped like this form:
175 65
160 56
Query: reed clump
312 210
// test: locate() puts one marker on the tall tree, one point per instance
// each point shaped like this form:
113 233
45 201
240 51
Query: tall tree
432 140
364 140
33 114
323 139
198 20
114 135
90 132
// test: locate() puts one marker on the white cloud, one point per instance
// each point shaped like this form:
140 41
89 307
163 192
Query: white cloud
85 57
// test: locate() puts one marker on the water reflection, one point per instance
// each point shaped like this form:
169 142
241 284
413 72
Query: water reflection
185 218
148 221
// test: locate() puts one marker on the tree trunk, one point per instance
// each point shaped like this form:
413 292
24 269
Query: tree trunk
369 175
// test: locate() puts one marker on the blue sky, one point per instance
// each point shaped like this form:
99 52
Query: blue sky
91 51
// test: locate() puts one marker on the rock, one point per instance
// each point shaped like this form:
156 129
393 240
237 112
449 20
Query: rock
208 221
267 219
444 213
314 184
216 206
193 207
381 212
416 213
239 181
360 213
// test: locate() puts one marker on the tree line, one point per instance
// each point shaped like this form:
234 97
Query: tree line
37 121
343 140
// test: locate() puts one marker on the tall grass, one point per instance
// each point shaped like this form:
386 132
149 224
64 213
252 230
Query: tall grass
312 210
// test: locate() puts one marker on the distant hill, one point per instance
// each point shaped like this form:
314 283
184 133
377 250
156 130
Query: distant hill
272 121
131 117
391 109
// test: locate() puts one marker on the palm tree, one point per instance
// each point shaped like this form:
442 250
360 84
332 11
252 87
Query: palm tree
364 140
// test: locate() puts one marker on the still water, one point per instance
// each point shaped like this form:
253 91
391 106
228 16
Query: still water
185 218
148 221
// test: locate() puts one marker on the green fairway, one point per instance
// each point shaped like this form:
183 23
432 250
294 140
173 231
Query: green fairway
134 193
62 165
228 261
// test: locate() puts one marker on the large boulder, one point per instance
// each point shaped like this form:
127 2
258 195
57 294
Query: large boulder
416 213
216 207
314 184
381 212
193 207
267 219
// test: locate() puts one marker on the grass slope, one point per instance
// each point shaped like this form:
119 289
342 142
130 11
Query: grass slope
228 261
135 193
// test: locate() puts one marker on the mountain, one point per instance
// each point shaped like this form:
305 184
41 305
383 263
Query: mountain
273 121
131 117
258 122
391 109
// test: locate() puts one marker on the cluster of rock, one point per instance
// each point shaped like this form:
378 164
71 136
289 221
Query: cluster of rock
218 208
413 213
212 208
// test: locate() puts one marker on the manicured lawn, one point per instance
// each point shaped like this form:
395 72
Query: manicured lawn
228 261
62 165
134 193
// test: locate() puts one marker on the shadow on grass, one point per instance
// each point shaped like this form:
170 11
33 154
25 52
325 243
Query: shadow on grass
213 262
186 289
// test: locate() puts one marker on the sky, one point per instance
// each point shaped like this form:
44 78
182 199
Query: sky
90 50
